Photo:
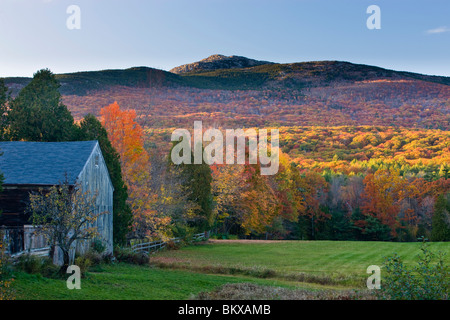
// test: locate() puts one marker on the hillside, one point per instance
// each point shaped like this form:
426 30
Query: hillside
297 75
84 83
236 91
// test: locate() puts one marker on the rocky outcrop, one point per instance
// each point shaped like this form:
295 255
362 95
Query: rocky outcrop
218 61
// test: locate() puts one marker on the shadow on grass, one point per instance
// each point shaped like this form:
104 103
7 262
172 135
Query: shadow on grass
250 291
265 273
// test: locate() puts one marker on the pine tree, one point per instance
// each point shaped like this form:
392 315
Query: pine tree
37 113
440 222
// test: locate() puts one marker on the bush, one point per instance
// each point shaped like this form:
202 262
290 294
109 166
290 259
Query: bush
6 292
224 236
83 262
174 245
92 260
426 281
98 246
94 257
37 265
128 256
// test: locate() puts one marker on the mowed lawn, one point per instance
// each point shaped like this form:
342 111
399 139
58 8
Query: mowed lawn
128 282
289 257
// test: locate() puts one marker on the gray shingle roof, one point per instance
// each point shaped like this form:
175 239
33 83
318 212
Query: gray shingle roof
43 163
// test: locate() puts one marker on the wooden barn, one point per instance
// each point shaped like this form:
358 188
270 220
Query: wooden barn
30 166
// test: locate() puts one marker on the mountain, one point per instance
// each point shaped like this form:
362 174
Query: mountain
218 61
240 92
219 72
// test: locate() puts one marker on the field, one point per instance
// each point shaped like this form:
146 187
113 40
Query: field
184 273
323 262
126 282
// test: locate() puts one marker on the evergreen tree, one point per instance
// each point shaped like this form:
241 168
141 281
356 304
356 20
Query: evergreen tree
37 113
440 223
197 179
92 129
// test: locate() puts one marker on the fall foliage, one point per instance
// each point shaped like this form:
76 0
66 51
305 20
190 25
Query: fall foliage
126 136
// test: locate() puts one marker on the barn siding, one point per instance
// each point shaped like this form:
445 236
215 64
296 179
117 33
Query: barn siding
95 178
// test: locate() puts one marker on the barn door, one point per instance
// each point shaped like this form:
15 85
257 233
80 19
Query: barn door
16 237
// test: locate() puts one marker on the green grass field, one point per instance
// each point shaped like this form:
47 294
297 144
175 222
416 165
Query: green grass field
184 273
128 282
335 259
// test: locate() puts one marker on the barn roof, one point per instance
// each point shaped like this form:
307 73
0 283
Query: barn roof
43 163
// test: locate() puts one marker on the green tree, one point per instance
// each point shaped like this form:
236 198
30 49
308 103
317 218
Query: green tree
196 181
92 129
37 113
440 222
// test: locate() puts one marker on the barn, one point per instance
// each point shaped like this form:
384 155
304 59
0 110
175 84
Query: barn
32 166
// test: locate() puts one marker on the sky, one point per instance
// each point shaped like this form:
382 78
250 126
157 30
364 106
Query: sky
117 34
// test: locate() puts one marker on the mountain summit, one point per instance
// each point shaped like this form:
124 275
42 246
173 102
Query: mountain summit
218 61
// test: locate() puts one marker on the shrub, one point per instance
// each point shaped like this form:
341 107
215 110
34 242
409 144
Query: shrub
29 264
37 265
426 281
92 260
94 257
128 256
224 236
83 262
98 246
174 245
6 292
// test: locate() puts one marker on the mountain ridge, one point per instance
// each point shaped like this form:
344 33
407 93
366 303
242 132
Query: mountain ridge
229 73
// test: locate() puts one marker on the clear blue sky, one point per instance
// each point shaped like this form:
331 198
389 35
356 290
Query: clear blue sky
414 35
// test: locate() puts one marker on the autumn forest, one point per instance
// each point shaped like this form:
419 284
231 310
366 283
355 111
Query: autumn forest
364 156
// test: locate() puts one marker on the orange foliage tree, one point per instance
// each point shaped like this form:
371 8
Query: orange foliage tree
383 193
126 135
258 202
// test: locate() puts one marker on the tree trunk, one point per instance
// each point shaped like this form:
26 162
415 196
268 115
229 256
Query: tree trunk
52 253
66 259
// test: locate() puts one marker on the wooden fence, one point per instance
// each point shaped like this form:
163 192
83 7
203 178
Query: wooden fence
153 246
147 247
39 252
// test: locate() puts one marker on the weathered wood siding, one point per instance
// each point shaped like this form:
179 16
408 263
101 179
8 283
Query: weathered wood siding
13 203
95 179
